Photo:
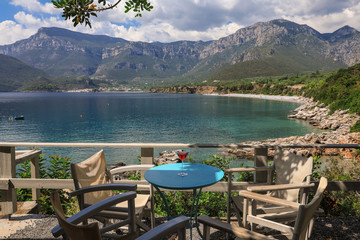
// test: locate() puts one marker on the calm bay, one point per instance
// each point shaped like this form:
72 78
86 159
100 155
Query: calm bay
121 117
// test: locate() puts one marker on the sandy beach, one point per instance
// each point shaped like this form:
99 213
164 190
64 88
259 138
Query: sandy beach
260 96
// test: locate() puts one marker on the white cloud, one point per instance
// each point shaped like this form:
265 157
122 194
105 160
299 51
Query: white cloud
186 19
312 7
162 32
327 23
34 6
27 20
26 25
10 32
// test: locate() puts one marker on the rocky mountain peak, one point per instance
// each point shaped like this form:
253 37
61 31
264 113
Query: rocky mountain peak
341 33
346 30
261 34
61 33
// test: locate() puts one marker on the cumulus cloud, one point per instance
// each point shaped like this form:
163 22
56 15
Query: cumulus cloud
165 32
186 19
347 13
201 15
10 32
34 6
312 7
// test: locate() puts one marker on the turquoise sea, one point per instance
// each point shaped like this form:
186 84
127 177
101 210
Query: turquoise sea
121 117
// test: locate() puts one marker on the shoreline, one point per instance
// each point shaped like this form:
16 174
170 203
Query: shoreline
260 96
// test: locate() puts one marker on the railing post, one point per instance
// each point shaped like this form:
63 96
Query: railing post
147 157
261 160
8 170
35 173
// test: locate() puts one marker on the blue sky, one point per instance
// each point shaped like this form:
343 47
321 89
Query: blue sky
173 20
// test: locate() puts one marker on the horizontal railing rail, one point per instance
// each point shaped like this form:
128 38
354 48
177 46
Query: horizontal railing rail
172 145
9 158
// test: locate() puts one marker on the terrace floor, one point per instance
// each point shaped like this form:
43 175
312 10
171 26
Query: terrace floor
35 226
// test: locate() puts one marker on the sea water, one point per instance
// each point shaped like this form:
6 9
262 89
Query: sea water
121 117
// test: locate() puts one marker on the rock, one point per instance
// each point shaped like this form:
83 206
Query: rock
318 115
119 164
166 157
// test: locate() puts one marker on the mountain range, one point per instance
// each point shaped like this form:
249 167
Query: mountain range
271 48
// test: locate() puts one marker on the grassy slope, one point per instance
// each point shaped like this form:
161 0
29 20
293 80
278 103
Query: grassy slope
284 60
14 73
340 91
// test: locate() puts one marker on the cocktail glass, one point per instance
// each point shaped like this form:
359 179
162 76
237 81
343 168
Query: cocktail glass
182 155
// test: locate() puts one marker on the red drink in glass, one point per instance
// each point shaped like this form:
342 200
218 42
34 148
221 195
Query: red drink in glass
182 155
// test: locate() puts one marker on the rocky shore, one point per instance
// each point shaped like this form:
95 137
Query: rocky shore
336 128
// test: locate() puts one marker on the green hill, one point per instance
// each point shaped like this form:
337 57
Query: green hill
280 61
14 74
340 91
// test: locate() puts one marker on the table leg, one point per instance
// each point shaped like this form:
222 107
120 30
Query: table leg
165 202
195 204
196 197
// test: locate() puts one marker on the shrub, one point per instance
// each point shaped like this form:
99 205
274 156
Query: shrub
58 167
340 203
355 127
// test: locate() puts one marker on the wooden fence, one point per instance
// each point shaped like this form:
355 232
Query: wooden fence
9 158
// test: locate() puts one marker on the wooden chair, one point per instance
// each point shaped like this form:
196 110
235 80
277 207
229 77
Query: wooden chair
93 183
145 188
292 177
176 225
70 228
305 214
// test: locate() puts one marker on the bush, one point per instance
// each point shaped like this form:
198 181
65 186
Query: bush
220 162
58 167
340 203
339 91
355 127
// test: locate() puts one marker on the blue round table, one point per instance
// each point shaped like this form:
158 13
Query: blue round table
199 176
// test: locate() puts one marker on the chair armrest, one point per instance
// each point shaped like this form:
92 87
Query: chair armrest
279 187
166 228
249 169
102 187
138 167
268 199
93 209
240 232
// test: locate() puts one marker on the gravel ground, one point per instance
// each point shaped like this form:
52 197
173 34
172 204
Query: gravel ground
33 226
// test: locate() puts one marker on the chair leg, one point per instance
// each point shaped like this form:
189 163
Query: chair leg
311 224
182 234
245 212
152 207
253 212
206 232
238 213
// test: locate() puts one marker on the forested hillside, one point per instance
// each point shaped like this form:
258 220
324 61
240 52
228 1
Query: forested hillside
15 74
340 91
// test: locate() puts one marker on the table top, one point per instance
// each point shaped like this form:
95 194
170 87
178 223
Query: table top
199 175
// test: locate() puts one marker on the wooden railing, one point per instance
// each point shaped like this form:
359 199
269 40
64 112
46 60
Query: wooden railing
9 158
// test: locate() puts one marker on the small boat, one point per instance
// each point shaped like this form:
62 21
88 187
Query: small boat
19 117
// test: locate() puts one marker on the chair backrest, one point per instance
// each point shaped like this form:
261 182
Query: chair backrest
72 231
306 212
91 172
291 169
130 168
